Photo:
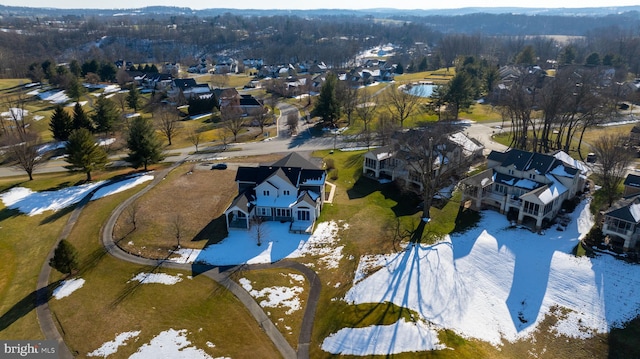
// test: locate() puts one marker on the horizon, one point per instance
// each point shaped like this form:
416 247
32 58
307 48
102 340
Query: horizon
327 5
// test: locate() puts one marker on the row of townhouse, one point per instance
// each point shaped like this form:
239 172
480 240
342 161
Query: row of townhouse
394 164
529 187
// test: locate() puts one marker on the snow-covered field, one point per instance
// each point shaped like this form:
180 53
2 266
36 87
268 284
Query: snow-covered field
494 282
34 203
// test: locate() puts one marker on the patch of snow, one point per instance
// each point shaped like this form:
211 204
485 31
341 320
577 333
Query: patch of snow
106 141
111 347
170 344
161 278
67 287
489 284
33 203
399 337
121 186
275 297
185 255
322 243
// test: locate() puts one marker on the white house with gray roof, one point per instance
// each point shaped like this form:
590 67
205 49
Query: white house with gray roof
288 190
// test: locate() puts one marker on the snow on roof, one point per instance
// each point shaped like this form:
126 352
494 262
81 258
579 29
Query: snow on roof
526 183
634 209
561 171
468 145
555 190
564 157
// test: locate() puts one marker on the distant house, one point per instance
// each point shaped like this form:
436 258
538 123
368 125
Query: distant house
527 186
621 225
288 190
189 88
631 185
391 163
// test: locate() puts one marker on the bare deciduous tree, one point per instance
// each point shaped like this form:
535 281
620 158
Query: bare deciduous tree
614 157
169 123
195 137
366 110
400 104
132 214
258 229
232 120
292 123
178 228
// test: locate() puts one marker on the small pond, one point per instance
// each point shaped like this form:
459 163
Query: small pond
419 89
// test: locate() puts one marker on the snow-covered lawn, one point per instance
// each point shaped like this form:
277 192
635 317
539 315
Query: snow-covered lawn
112 346
277 296
161 278
34 203
495 283
240 247
67 287
168 344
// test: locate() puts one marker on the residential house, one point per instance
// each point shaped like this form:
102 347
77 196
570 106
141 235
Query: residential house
391 163
189 88
631 185
621 225
529 187
288 190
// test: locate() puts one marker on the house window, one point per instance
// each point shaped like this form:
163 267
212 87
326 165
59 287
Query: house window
532 176
501 189
371 163
265 193
263 211
531 208
303 215
548 208
510 171
283 212
286 192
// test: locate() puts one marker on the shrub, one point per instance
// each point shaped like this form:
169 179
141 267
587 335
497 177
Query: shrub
333 174
594 237
65 258
329 164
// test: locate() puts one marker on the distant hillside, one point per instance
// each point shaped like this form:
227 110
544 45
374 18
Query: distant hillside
378 12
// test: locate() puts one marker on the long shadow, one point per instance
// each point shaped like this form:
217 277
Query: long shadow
214 232
363 187
56 215
26 305
7 213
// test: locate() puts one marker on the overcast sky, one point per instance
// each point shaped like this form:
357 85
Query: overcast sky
326 4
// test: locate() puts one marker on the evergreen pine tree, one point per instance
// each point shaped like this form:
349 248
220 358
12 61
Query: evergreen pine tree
328 107
145 147
60 124
80 118
65 258
106 115
83 154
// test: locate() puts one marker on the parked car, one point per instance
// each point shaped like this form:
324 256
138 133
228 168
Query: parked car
219 166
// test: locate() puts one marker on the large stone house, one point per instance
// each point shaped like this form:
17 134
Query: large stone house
392 163
288 190
529 187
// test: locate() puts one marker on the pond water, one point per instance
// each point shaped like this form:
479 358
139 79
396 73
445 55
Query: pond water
419 89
